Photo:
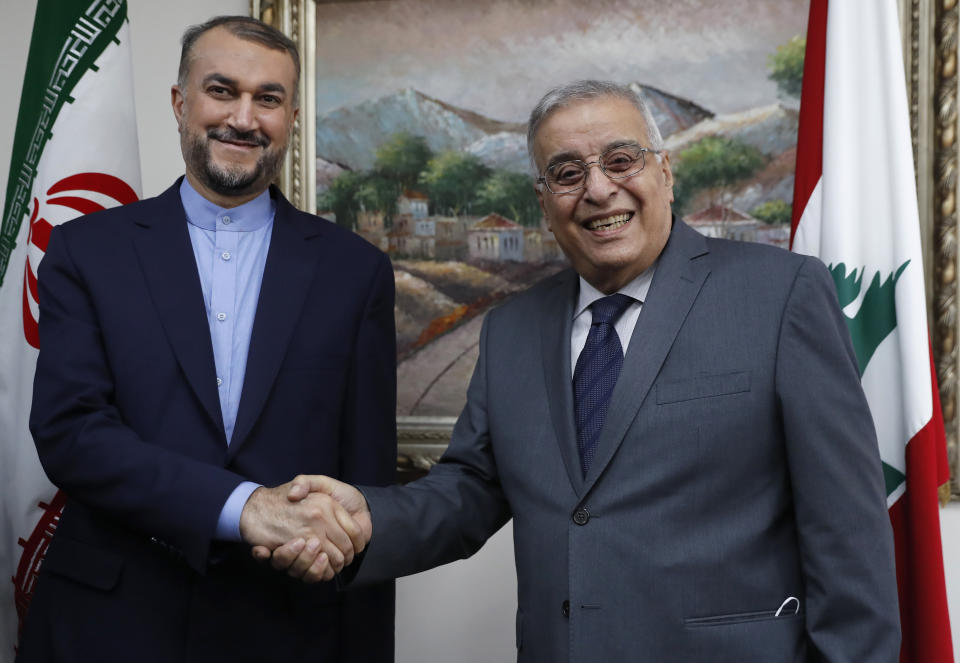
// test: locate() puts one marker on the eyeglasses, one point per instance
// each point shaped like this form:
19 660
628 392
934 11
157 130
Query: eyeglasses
617 163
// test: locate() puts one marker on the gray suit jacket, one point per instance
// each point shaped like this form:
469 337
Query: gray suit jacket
738 467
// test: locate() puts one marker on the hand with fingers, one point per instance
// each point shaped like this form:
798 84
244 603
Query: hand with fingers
318 534
295 556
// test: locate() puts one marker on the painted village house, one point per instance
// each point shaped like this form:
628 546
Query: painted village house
414 204
451 236
730 223
413 232
539 245
495 238
370 226
724 222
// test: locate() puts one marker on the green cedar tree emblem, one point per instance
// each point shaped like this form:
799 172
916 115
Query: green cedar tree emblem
873 322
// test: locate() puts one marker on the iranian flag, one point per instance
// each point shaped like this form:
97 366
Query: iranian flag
74 152
855 206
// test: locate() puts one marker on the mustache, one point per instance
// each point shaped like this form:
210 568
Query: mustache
232 135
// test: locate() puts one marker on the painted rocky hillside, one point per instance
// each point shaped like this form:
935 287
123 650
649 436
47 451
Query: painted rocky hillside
348 138
771 131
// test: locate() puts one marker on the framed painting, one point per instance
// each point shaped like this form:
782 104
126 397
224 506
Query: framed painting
412 134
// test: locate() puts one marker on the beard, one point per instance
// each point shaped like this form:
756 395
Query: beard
232 180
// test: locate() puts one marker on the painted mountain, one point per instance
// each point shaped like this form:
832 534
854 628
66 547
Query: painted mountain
350 136
772 130
347 138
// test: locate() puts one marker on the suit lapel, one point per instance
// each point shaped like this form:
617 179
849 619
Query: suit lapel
287 277
556 319
170 269
681 272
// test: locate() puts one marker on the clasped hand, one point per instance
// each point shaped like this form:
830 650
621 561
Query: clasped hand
310 527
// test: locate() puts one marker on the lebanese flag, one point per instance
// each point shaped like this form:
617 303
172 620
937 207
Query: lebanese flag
855 207
74 152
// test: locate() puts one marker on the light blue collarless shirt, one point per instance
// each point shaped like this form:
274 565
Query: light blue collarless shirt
230 247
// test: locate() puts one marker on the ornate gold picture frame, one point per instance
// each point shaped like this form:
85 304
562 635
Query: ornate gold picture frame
930 38
929 29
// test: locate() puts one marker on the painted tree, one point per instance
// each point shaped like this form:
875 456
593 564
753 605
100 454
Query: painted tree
714 164
453 180
511 195
341 198
773 212
402 158
786 66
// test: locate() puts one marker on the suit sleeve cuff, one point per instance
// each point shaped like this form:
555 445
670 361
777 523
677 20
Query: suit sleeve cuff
228 524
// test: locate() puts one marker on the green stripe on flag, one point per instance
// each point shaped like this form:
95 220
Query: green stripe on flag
892 478
68 37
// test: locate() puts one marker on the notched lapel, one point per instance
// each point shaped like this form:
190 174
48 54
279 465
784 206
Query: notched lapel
681 272
287 277
170 268
556 320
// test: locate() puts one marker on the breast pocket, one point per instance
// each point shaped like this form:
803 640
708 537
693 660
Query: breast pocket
703 386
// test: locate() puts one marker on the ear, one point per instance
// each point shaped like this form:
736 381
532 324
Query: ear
176 101
664 163
538 188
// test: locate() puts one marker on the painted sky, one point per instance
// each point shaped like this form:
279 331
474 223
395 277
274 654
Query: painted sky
497 57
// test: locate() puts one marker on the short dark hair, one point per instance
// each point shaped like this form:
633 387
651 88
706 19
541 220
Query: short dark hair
242 27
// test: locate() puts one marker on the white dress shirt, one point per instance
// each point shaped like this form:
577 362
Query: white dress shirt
583 317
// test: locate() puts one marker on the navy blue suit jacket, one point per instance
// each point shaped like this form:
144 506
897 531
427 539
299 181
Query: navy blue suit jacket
127 422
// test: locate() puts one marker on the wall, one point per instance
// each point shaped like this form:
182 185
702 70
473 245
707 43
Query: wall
950 530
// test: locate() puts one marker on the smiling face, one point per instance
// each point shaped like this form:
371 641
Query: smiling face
610 230
234 116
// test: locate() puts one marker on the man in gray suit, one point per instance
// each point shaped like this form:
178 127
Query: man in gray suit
718 498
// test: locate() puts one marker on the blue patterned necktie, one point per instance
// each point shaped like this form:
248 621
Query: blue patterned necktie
598 368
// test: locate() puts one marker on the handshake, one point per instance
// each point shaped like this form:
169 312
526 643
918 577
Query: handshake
311 527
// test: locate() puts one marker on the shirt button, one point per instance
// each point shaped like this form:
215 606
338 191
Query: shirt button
225 255
219 381
221 316
225 220
565 609
581 516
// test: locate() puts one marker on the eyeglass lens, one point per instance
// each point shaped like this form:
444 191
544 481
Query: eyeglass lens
617 163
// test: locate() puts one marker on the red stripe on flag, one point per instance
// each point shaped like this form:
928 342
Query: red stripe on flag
810 129
915 518
32 285
82 205
40 233
31 329
99 182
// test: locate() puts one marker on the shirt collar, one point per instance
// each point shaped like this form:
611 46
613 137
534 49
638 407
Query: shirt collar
251 215
637 288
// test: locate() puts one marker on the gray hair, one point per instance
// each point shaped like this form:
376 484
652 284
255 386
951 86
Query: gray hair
242 27
570 93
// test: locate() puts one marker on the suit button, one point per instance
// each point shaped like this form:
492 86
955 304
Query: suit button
565 609
581 516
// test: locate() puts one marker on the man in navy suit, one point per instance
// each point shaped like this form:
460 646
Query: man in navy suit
675 425
198 350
